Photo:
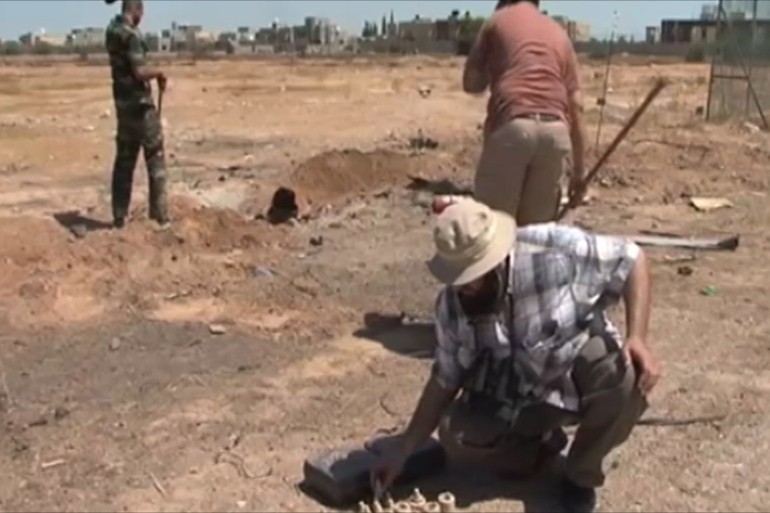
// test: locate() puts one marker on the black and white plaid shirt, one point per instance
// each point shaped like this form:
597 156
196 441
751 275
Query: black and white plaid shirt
561 278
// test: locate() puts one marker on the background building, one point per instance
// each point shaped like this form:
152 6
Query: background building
90 37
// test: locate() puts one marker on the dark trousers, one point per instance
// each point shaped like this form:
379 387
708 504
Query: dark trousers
611 405
139 128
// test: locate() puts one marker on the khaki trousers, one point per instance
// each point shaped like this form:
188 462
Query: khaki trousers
611 405
521 167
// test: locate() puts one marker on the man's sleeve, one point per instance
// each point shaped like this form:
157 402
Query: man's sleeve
606 262
602 262
446 370
135 51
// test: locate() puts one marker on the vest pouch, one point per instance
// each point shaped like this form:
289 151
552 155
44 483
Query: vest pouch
473 418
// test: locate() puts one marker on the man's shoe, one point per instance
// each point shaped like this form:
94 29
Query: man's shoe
119 222
161 218
576 498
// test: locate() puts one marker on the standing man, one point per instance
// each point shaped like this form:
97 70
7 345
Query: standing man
138 121
522 334
534 115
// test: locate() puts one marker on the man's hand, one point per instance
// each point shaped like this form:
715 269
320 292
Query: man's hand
577 188
431 407
388 468
648 365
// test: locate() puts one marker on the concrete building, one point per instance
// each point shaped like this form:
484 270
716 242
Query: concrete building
264 36
55 40
688 31
179 37
152 40
319 31
90 37
447 30
245 34
652 35
418 30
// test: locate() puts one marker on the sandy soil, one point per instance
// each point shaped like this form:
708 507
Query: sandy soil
107 360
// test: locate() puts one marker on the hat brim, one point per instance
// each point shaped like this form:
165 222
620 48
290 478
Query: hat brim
461 273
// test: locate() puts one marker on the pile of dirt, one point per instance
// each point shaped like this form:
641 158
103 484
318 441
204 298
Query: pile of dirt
51 276
336 176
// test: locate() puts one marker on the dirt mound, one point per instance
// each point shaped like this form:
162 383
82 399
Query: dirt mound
335 176
50 276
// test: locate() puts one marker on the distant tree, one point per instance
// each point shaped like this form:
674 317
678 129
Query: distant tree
370 29
11 48
455 14
384 26
469 27
43 49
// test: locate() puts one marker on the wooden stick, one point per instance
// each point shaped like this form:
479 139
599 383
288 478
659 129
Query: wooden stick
157 485
51 464
657 88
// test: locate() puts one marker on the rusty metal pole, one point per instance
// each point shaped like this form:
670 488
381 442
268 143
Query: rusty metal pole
718 52
657 88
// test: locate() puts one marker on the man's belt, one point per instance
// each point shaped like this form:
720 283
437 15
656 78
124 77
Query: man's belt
547 118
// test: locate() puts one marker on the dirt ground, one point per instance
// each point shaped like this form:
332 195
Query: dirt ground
116 395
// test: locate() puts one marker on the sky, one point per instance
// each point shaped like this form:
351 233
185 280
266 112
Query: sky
59 16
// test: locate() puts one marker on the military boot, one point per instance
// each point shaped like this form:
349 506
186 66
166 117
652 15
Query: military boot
158 208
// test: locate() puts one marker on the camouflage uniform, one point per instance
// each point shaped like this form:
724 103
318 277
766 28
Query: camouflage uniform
138 122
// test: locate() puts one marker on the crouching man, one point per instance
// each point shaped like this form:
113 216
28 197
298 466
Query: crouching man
524 339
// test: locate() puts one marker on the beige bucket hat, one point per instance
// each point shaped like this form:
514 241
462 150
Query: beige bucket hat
471 239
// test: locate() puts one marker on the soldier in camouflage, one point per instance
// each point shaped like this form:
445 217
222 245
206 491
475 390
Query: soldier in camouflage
138 120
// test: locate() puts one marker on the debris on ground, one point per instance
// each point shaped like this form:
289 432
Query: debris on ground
52 464
317 241
60 412
751 127
115 344
422 142
669 259
709 291
79 230
217 329
263 272
684 270
709 204
424 91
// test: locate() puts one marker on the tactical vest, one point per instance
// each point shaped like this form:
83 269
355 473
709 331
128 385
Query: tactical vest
491 386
